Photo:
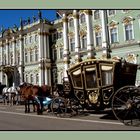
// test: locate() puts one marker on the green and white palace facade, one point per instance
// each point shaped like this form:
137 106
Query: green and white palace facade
40 51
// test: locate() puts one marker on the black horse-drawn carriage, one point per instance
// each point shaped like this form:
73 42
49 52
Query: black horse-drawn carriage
98 84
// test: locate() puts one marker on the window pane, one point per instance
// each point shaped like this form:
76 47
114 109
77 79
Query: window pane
72 44
128 32
84 42
98 38
76 76
91 77
107 75
82 17
71 23
96 14
113 33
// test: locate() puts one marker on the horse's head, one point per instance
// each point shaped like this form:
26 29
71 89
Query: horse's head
46 90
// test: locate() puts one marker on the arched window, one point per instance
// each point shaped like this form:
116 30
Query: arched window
98 38
26 56
128 28
26 78
128 32
82 18
113 35
36 38
31 55
111 12
84 42
18 57
71 23
72 44
96 14
11 58
31 78
61 53
37 79
36 54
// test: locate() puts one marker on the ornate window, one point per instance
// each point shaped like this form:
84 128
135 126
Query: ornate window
31 55
71 23
98 38
11 58
31 78
82 18
37 78
4 59
84 42
36 38
36 54
72 44
61 53
128 32
59 35
111 12
96 14
128 28
26 56
18 57
26 78
54 54
30 39
113 35
26 41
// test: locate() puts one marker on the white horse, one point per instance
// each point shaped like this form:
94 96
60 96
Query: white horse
11 95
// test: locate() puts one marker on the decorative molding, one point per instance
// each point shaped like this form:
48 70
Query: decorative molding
88 12
113 23
82 33
97 28
127 20
71 34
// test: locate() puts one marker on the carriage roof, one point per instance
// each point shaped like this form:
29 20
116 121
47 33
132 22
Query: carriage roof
92 61
104 72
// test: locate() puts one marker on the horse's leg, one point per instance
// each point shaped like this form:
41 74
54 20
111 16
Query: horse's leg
28 104
25 102
33 106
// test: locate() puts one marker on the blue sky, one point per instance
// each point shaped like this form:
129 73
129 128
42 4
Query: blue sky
10 17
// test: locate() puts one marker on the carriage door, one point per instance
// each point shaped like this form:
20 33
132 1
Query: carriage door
107 78
77 83
91 83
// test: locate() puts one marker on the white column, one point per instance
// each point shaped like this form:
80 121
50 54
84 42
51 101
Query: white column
45 45
77 37
41 56
14 51
48 47
21 67
1 62
66 44
1 50
105 34
7 52
90 47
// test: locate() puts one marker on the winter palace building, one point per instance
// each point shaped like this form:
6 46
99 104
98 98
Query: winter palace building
40 51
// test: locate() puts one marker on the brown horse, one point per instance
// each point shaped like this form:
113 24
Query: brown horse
34 93
27 93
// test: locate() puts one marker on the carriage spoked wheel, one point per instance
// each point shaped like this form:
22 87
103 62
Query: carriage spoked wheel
126 105
59 107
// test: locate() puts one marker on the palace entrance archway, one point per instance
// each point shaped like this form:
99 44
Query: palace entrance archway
11 75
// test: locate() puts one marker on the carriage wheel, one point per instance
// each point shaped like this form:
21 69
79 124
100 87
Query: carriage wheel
59 107
126 105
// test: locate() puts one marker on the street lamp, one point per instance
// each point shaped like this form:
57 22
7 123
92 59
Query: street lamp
108 47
